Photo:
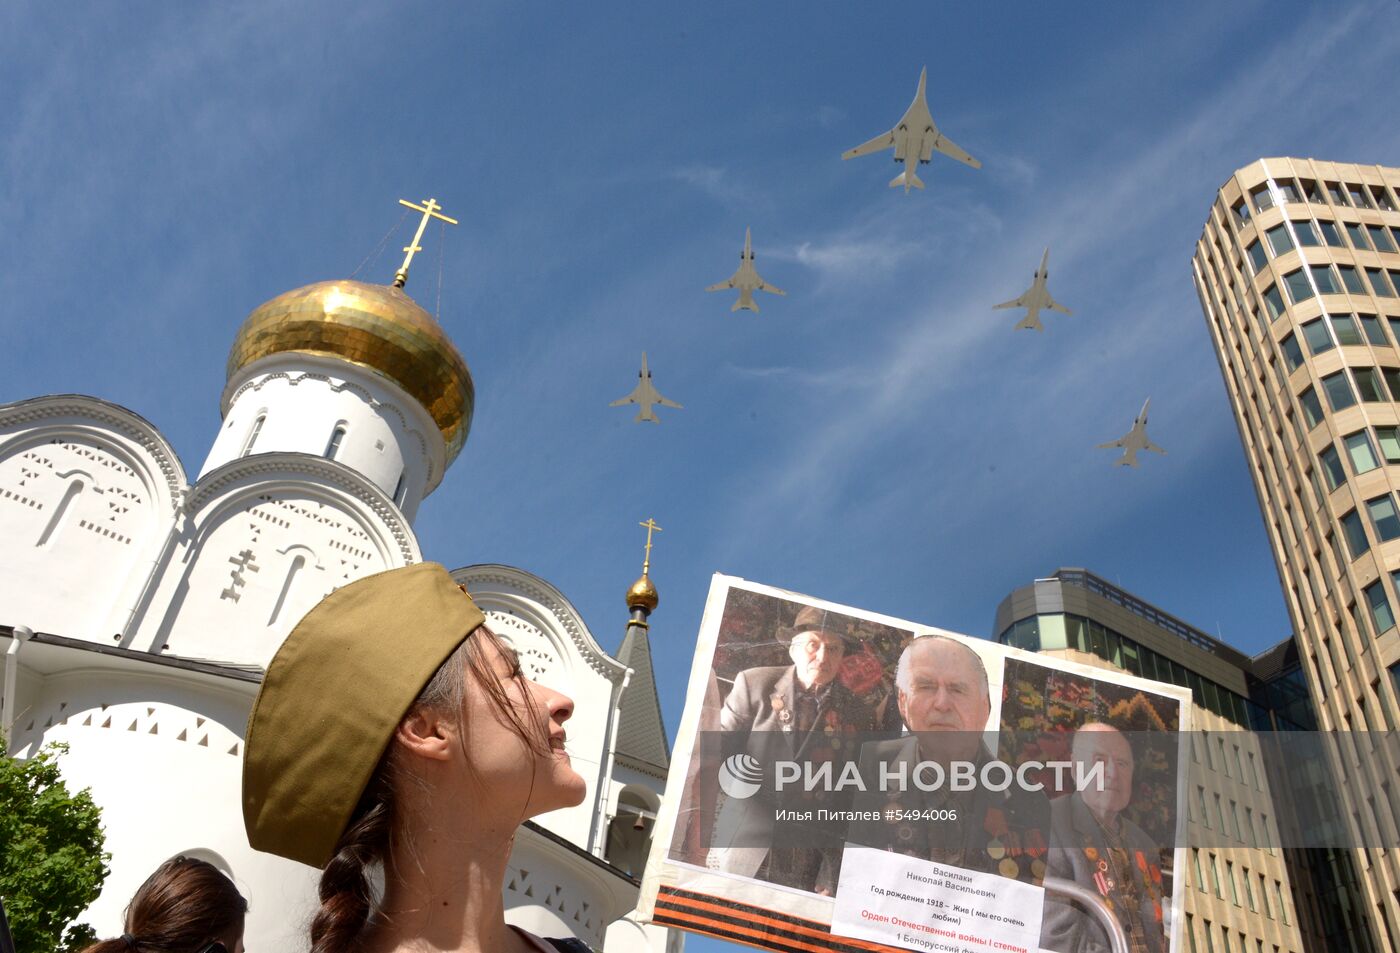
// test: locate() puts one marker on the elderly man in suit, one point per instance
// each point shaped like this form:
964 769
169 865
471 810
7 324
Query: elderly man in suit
1092 844
945 701
799 712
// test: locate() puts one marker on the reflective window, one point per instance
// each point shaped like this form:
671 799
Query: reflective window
1357 543
1334 192
1388 438
1311 192
1257 257
1357 236
1241 211
1380 238
1288 190
1292 353
1316 334
1395 677
1351 280
1279 240
1262 198
1368 385
1394 326
1363 457
1338 390
1374 332
1380 606
1298 288
1330 233
1384 518
1273 301
1332 467
1392 381
1382 198
1358 196
1380 287
333 445
1324 279
1346 329
1307 235
1312 407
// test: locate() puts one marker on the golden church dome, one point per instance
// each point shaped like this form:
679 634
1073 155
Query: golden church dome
643 595
374 326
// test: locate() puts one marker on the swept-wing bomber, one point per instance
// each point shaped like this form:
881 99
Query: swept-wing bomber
914 139
1036 298
1134 440
746 279
645 396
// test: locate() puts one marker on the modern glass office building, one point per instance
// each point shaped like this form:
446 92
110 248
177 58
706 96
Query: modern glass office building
1244 892
1298 272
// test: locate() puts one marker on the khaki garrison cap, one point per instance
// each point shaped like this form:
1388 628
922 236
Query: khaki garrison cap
335 691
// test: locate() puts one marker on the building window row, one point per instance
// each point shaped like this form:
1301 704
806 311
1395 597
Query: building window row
1340 194
1332 279
1050 632
1312 234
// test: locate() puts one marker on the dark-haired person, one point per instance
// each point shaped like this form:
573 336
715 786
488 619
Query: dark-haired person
393 728
186 906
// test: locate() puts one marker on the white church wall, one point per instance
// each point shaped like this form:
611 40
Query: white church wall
295 403
161 754
557 650
268 537
88 492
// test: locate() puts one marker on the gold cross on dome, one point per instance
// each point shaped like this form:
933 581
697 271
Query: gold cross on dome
650 525
430 210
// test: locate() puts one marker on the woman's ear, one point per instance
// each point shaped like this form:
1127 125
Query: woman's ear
426 733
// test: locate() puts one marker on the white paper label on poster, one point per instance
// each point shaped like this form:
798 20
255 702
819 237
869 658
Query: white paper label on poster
917 904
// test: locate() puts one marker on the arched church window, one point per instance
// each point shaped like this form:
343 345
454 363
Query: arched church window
56 520
253 432
297 564
630 830
333 447
400 487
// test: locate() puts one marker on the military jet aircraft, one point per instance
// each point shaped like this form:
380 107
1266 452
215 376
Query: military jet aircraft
1134 440
645 396
746 279
914 140
1036 298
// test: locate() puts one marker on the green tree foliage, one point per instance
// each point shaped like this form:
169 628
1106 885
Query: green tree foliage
51 859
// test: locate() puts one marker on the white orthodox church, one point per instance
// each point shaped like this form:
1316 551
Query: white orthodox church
139 607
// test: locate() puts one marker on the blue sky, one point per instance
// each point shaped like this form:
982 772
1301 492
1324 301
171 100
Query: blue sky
879 437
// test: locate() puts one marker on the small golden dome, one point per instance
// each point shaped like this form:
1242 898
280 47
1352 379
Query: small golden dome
642 595
374 326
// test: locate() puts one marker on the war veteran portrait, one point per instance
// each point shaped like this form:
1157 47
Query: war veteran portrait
945 702
798 712
1092 844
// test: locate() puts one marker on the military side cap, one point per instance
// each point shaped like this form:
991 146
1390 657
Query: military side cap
332 697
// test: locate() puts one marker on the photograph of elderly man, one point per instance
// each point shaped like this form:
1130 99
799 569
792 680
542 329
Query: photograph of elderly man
801 712
1093 844
945 702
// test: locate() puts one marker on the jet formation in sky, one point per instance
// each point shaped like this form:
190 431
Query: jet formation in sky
914 139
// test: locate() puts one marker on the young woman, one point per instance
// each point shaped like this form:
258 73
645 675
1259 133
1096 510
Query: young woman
186 906
395 732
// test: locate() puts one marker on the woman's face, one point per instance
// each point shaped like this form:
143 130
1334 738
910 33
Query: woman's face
503 765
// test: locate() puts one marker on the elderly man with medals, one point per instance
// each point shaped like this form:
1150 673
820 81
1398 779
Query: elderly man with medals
944 699
1092 844
802 713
